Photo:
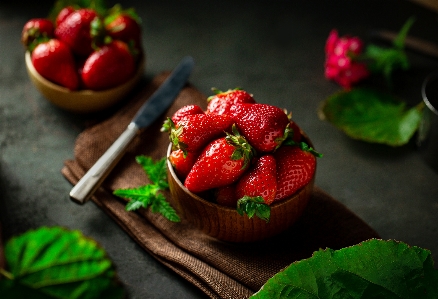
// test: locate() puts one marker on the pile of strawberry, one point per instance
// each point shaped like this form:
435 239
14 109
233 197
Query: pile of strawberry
239 150
82 48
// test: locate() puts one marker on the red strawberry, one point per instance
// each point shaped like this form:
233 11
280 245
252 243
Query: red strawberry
125 26
109 66
54 61
260 180
222 101
179 115
186 110
264 126
194 132
226 196
182 164
295 168
75 31
221 163
35 29
63 14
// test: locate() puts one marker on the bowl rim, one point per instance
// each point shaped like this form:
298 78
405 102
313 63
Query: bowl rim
84 92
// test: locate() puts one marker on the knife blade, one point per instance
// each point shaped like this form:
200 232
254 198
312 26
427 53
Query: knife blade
160 100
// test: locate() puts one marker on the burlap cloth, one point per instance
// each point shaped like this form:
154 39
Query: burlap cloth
220 269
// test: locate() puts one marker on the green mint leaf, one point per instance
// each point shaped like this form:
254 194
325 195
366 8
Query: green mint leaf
150 195
134 204
160 205
371 116
156 171
57 263
254 206
386 60
143 194
371 269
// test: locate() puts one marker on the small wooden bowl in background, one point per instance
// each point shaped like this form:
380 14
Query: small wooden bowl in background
224 223
81 101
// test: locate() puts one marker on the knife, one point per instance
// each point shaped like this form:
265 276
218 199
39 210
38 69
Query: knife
160 100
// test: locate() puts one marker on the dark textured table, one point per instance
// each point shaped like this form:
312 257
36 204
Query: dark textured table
273 49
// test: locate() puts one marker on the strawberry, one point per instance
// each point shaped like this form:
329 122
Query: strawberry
222 101
295 168
226 196
124 26
186 111
221 163
35 29
179 115
108 66
182 164
260 180
194 132
75 31
63 14
264 126
54 61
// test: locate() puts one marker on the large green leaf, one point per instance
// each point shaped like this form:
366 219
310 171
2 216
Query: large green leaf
57 263
372 269
372 116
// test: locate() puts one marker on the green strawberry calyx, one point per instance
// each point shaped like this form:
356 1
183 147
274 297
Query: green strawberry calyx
167 125
117 10
174 134
254 206
98 33
304 147
39 38
243 150
287 134
217 91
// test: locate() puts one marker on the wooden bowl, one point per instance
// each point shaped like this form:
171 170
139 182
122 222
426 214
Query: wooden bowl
224 223
81 101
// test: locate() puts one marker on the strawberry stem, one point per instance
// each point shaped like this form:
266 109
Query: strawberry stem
174 133
243 148
167 125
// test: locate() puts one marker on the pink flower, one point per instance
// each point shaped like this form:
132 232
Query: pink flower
340 64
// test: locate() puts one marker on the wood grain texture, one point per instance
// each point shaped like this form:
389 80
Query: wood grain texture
224 223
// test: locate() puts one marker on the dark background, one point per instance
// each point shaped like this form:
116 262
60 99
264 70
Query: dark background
272 49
